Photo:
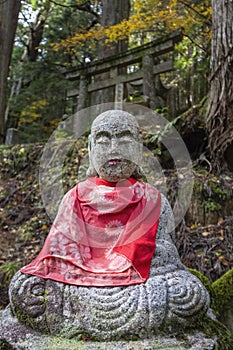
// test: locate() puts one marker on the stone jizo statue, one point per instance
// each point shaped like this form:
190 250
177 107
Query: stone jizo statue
109 268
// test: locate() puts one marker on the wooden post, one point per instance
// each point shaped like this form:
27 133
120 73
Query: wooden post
83 93
119 95
148 81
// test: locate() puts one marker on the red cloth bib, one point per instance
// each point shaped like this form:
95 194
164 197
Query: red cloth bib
103 235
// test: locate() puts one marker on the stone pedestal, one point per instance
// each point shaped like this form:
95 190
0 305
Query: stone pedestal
14 335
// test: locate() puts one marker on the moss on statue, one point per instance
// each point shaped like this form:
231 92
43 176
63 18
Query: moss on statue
62 343
5 346
204 280
213 328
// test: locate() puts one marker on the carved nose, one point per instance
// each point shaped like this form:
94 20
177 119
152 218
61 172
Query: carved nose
114 145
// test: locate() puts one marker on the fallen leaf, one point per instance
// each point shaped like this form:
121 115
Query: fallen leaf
223 261
206 233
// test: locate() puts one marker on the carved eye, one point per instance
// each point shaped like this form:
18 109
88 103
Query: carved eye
103 140
125 136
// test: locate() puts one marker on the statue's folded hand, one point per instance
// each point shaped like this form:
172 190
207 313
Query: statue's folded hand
28 296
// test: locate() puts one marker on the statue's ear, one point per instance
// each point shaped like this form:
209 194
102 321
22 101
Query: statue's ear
90 141
91 172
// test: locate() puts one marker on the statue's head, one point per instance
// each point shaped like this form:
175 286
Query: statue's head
115 147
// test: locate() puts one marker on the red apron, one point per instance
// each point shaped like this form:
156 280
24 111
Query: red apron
103 235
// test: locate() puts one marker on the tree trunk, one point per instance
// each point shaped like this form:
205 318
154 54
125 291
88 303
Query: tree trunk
9 11
114 11
220 104
35 38
30 54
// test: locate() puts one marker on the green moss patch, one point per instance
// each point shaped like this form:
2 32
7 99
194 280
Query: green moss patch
223 291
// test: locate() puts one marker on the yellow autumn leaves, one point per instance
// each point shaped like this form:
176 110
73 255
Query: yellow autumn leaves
149 17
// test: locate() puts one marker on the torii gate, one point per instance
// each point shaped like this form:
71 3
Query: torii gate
88 82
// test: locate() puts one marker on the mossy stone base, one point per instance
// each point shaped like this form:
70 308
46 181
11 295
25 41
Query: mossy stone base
14 335
54 343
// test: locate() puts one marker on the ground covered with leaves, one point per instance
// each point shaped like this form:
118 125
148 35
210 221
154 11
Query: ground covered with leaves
204 238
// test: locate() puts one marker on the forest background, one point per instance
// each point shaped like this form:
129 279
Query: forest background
42 40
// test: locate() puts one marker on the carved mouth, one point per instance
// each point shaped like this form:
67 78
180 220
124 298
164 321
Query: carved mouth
114 161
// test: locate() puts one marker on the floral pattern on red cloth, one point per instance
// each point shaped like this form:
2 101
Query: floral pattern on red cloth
104 235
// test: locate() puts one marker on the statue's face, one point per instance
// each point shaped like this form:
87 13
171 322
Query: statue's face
115 150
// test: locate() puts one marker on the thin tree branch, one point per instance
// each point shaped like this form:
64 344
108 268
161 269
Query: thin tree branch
194 10
84 7
196 44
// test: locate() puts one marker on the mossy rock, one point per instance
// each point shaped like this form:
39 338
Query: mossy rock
220 291
223 292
